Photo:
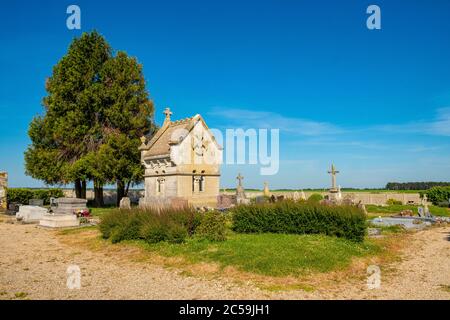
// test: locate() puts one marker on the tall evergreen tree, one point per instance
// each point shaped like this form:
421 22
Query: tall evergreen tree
96 109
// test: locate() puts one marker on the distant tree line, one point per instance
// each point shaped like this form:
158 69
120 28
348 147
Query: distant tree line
415 185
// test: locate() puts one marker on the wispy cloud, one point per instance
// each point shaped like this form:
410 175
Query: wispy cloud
439 126
271 120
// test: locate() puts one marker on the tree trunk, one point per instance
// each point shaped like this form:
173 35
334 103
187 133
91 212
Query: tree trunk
83 189
127 188
98 194
120 191
78 189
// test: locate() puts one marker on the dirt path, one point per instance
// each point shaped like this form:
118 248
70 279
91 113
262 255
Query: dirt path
33 264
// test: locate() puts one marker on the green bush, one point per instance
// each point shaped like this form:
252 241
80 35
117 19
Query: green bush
24 195
393 202
443 204
212 226
438 194
149 225
301 218
315 197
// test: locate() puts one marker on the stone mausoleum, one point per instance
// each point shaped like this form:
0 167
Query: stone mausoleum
182 163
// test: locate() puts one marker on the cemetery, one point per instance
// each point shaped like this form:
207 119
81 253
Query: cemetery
143 211
282 239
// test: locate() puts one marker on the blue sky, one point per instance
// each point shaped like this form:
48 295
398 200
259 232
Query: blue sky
374 102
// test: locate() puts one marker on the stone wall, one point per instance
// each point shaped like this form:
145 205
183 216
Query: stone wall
110 196
364 197
3 186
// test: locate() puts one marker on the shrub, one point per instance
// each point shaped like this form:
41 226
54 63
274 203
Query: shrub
212 226
301 218
438 194
23 195
152 226
393 202
443 204
315 197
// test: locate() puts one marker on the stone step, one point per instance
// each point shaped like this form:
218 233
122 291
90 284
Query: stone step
59 221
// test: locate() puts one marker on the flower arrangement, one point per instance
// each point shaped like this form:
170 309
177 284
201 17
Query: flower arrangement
82 213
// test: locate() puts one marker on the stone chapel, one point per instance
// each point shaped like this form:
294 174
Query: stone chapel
182 161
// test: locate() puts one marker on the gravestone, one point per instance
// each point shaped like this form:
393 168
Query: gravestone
362 207
241 198
3 186
64 214
30 214
302 195
225 201
125 203
13 208
266 191
420 212
53 202
69 205
36 202
260 199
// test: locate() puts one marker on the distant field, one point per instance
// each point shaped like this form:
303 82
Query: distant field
375 210
325 190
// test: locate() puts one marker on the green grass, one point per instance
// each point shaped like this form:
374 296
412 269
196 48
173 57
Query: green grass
98 212
270 254
375 210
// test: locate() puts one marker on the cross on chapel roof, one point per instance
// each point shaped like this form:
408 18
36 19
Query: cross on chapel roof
168 113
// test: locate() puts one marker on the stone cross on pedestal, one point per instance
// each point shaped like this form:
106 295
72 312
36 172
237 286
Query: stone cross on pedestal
239 178
333 173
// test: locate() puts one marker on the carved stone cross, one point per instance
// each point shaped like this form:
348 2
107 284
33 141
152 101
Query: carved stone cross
239 178
333 173
168 113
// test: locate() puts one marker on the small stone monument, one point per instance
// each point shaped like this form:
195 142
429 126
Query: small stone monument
362 207
333 192
125 203
241 198
36 202
339 194
63 214
302 195
420 212
30 214
266 191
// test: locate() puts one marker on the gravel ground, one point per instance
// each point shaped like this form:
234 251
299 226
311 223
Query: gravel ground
33 265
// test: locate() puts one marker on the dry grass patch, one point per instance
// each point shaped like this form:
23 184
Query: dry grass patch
212 260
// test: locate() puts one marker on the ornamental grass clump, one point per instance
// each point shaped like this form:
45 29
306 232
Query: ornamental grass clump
153 226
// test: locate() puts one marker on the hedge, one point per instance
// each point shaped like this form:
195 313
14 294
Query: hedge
24 195
301 218
438 194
